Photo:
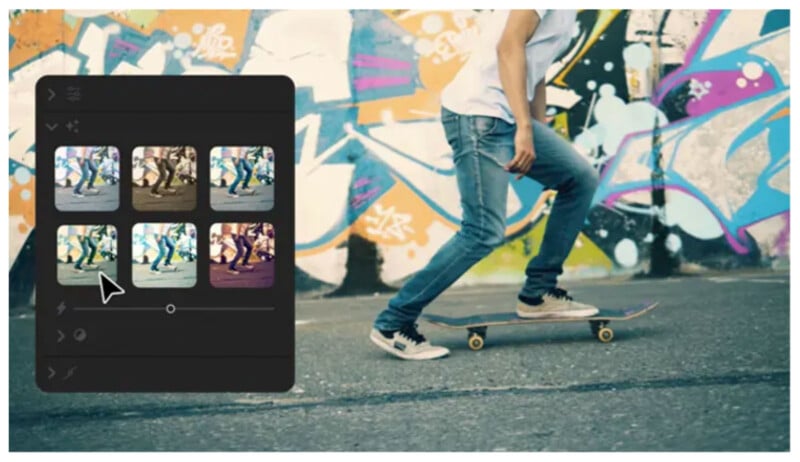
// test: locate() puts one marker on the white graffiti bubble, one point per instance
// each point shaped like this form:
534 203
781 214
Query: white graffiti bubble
648 238
198 29
708 84
626 253
183 40
576 29
22 175
691 215
25 194
591 85
607 90
587 61
603 233
637 56
424 47
755 84
177 54
609 66
407 39
741 82
673 243
587 140
752 70
432 24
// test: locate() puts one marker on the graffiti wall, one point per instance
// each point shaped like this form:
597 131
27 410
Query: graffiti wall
371 158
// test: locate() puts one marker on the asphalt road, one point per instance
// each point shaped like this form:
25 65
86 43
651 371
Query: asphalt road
104 200
261 199
707 370
184 275
67 276
184 198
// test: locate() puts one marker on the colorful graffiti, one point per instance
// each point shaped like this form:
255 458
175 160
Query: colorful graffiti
371 158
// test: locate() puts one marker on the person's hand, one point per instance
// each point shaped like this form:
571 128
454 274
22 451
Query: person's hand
523 152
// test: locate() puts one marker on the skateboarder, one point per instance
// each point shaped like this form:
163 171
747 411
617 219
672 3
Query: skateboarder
88 169
165 244
239 236
88 249
161 156
243 169
493 114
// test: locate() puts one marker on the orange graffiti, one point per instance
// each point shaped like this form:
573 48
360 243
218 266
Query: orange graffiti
779 115
217 35
36 32
19 206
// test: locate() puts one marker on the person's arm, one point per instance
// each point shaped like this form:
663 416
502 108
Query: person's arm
539 103
513 70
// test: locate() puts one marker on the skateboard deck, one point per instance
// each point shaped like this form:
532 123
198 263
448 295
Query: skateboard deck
246 192
169 269
477 324
91 192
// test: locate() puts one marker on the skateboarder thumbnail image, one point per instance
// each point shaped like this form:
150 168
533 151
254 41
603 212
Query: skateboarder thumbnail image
87 178
242 254
164 177
242 177
82 250
164 254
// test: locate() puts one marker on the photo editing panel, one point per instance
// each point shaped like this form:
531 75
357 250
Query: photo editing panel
165 235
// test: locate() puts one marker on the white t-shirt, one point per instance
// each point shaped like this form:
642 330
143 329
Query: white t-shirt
477 90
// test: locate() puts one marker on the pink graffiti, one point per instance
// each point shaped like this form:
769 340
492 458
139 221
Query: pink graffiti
366 83
676 77
124 46
361 60
361 182
359 199
782 243
723 90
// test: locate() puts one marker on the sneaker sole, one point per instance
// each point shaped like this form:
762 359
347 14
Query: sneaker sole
383 346
589 312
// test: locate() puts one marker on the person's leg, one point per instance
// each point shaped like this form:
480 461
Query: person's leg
84 252
170 168
161 174
93 169
170 244
157 260
84 174
558 166
232 266
239 173
248 169
248 251
481 147
92 251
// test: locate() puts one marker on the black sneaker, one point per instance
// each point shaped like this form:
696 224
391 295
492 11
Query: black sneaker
407 343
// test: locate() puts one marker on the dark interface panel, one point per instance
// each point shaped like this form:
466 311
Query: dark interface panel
165 233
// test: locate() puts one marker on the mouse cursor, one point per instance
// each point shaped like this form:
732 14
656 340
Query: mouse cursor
108 287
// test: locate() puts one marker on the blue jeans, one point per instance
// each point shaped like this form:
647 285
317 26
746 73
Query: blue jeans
241 244
88 248
481 147
243 169
87 167
164 243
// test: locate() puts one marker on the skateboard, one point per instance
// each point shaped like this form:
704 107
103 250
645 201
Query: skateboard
242 269
246 192
478 324
91 192
169 269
